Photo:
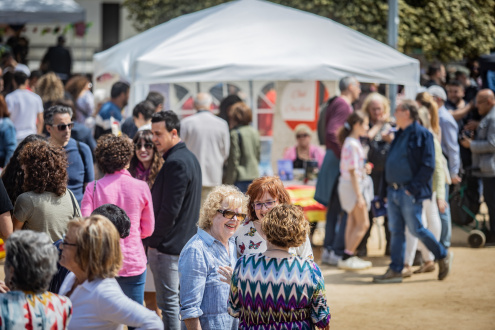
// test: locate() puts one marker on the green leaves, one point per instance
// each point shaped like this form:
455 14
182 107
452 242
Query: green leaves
444 29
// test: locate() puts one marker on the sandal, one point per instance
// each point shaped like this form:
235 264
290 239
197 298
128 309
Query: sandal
425 268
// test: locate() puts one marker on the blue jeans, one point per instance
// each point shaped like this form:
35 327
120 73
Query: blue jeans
335 225
165 269
133 286
403 210
446 222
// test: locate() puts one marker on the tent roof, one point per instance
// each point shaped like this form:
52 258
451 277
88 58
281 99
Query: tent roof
40 11
254 40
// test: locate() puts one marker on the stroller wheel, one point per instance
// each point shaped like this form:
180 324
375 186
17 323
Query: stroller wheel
476 238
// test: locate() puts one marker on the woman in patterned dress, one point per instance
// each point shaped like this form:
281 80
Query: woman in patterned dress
30 263
275 289
264 194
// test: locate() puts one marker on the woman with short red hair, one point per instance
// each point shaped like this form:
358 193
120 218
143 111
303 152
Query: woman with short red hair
264 194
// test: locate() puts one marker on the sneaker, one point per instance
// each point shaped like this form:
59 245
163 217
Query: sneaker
329 257
444 265
425 269
406 272
389 277
354 263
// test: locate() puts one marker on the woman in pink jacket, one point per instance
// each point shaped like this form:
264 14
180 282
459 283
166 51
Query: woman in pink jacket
113 154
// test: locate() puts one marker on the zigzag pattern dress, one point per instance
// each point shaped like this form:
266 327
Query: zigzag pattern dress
278 293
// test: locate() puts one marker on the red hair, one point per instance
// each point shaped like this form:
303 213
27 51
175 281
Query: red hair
267 184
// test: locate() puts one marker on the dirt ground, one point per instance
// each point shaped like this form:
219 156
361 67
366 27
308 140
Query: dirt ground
464 300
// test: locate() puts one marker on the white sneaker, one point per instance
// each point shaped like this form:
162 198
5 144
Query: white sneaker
354 263
330 258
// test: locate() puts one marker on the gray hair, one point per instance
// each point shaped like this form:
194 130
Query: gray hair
412 107
33 258
49 113
345 82
203 101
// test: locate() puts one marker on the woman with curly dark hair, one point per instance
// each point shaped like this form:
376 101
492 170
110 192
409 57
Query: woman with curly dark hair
13 174
145 165
113 155
146 161
47 205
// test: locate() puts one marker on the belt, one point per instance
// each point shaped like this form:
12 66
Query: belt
396 186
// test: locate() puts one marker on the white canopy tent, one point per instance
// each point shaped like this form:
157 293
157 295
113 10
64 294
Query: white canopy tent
40 11
253 40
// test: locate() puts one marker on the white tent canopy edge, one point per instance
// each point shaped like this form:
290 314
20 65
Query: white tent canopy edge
253 40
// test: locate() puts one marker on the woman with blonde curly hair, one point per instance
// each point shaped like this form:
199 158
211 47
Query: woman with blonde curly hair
92 252
113 154
207 258
50 88
47 205
292 294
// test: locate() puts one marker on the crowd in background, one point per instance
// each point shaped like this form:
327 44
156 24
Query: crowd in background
110 213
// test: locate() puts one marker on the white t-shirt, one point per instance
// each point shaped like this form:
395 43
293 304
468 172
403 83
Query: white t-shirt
24 107
352 158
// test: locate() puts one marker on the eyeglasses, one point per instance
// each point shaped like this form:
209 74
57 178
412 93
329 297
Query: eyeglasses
147 146
65 243
231 214
300 136
63 127
268 205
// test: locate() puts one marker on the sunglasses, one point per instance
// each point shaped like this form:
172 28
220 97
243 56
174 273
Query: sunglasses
65 243
300 136
63 127
231 214
147 146
268 205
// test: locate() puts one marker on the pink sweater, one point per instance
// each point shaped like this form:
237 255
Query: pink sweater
314 151
134 197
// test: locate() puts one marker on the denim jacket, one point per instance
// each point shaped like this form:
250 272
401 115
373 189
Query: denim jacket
421 157
8 140
202 294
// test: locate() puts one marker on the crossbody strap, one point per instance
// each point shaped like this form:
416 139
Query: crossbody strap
74 204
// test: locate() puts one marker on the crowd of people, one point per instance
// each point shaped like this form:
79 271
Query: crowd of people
159 222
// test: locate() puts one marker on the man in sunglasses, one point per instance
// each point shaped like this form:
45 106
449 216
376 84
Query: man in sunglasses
58 123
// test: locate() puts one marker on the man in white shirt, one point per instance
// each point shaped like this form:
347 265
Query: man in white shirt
207 136
26 108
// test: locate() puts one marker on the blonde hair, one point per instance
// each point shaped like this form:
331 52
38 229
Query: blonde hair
50 88
230 195
378 98
427 101
285 226
98 246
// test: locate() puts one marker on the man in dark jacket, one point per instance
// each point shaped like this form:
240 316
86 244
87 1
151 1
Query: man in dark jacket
58 59
408 171
176 201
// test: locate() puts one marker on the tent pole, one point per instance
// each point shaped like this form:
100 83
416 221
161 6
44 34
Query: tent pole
393 27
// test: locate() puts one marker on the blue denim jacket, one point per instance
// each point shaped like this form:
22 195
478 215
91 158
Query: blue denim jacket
8 141
202 294
421 157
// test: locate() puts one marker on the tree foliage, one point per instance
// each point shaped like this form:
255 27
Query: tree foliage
444 29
